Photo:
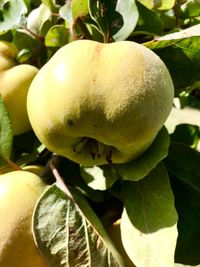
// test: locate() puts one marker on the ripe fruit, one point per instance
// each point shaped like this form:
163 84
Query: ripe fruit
100 103
37 169
15 81
115 234
19 191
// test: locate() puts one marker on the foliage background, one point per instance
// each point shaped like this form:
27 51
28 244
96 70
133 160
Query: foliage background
172 30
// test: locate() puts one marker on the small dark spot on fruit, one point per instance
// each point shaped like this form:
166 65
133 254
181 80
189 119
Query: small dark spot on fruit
95 125
70 123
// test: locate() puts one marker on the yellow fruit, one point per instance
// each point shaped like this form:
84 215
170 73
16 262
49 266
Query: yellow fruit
37 169
15 81
19 191
115 235
100 103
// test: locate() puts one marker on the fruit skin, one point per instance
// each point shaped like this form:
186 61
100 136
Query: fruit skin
37 169
15 81
100 103
115 234
19 191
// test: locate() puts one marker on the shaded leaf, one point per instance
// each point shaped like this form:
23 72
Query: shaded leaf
149 220
187 134
68 233
6 137
140 167
22 40
184 163
129 13
97 13
149 21
187 202
99 177
12 14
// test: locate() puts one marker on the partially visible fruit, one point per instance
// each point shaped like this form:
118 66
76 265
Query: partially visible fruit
19 192
37 169
115 234
15 81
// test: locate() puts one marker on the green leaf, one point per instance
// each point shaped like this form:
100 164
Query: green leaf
6 137
68 233
57 36
37 18
50 4
184 163
160 4
23 40
80 9
66 13
187 202
12 14
149 220
139 168
186 134
149 21
190 9
181 54
99 177
97 13
129 13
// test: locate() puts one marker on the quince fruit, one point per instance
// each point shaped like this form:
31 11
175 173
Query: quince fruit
114 232
19 191
15 81
100 103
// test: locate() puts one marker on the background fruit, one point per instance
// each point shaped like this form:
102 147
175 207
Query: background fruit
100 103
115 234
15 81
19 191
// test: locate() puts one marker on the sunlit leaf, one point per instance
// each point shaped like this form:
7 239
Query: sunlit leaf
66 13
69 234
149 220
79 9
50 4
129 12
99 177
37 18
57 36
158 4
12 14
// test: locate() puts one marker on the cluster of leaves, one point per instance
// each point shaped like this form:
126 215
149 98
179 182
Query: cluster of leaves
157 196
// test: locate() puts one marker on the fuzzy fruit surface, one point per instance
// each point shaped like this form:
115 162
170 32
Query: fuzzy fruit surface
15 81
19 191
100 103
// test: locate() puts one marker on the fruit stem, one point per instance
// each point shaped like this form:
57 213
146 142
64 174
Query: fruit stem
13 165
59 181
